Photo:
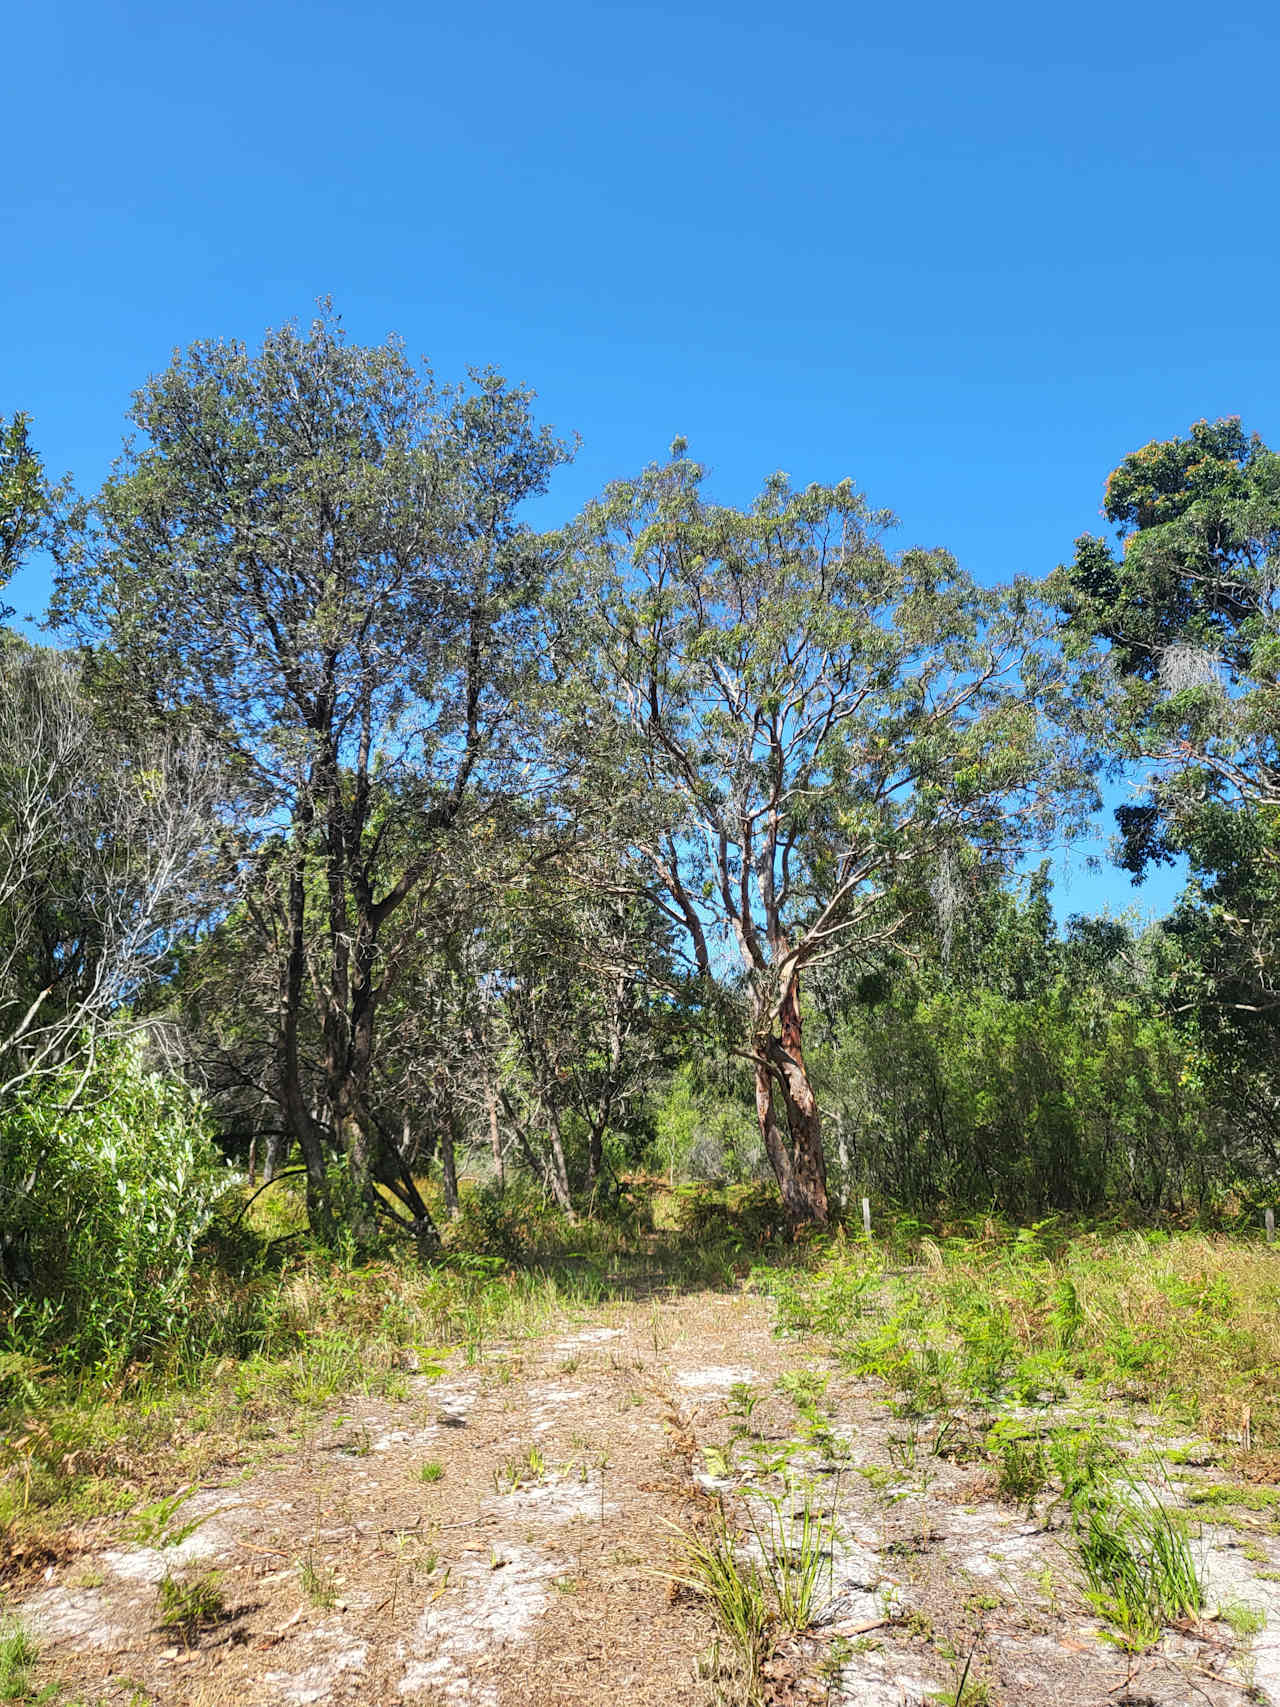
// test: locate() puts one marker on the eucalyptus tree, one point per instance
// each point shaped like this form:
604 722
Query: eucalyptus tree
314 553
804 720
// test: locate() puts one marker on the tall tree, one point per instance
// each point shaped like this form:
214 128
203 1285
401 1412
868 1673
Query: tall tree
314 553
809 717
1185 608
1178 622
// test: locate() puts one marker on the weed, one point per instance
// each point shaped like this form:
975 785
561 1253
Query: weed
190 1604
1243 1620
154 1526
743 1399
432 1471
1022 1464
983 1603
967 1691
319 1584
806 1388
1245 1498
517 1473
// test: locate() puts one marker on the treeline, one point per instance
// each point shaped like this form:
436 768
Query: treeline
684 837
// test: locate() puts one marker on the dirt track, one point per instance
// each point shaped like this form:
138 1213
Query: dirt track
534 1570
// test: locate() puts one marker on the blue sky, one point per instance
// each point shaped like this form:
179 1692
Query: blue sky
970 256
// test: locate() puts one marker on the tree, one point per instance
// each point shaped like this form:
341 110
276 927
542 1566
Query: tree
314 554
24 495
587 987
808 720
1180 632
107 862
1187 617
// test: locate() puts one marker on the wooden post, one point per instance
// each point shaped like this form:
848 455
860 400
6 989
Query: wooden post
866 1216
1269 1221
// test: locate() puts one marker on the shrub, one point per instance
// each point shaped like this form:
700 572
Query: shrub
105 1187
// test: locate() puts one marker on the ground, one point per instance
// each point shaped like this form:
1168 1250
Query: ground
512 1527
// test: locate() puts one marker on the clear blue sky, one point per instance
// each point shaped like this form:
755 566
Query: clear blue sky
968 255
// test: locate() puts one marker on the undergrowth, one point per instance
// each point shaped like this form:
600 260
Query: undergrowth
1186 1323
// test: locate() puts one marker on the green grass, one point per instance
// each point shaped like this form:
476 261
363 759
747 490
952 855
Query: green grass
1136 1554
18 1656
190 1604
712 1567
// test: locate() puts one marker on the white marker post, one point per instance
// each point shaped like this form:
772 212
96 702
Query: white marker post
866 1216
1269 1222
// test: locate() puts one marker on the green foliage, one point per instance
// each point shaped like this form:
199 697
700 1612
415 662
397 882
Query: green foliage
1016 1071
705 1128
109 1179
1179 634
18 1656
24 495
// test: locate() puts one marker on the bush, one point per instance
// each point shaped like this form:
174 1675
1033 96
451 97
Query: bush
489 1225
104 1195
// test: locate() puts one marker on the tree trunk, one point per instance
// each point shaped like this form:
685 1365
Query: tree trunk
798 1160
449 1166
362 1213
558 1173
271 1161
297 1116
495 1138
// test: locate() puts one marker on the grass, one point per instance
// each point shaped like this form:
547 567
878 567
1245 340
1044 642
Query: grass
1136 1554
18 1656
713 1567
796 1547
190 1604
1185 1322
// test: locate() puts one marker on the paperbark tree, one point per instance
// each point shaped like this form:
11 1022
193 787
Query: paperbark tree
807 717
